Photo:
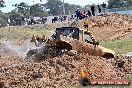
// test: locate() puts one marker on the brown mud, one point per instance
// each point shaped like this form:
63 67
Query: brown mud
65 71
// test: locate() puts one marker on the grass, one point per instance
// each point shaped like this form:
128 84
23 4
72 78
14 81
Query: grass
119 46
25 32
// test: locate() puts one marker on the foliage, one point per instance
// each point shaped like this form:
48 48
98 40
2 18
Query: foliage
13 15
3 19
27 10
2 3
67 8
37 10
70 9
54 6
23 8
119 3
73 7
51 7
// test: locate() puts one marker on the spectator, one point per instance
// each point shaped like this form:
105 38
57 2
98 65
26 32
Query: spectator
22 20
65 17
99 8
17 21
32 20
84 14
78 13
81 16
104 6
93 9
89 13
54 19
44 20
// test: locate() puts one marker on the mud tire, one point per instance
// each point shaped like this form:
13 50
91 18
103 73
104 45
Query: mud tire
44 52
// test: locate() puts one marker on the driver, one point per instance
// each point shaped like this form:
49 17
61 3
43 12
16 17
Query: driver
85 23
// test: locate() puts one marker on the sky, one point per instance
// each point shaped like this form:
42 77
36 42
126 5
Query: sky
9 3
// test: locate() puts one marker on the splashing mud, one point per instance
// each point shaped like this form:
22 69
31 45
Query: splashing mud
19 50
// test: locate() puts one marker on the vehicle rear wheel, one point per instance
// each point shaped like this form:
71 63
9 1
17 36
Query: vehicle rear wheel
45 52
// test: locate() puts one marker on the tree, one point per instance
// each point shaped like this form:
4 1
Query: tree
54 6
23 8
86 8
70 9
3 19
2 3
38 10
129 3
67 8
119 3
13 15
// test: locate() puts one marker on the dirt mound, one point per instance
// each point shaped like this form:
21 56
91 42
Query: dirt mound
56 72
114 20
114 26
122 63
64 71
109 27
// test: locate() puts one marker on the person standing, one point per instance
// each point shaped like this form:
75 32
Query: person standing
104 6
89 13
22 20
99 8
78 13
93 10
84 14
81 16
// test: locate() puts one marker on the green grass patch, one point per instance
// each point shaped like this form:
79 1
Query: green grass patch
119 46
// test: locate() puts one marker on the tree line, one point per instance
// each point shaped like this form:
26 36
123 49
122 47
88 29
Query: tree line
119 4
51 7
55 7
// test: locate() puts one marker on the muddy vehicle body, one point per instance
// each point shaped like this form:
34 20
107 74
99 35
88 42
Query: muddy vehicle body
72 38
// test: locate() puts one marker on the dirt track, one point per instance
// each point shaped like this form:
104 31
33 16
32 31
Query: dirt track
111 27
65 71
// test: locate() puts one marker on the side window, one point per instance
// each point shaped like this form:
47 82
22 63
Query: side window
66 31
62 30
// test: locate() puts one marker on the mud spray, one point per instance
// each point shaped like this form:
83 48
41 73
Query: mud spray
19 50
